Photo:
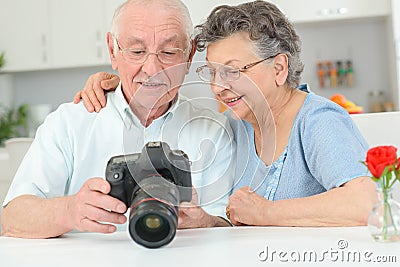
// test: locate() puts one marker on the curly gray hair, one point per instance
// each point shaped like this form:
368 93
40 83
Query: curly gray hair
268 28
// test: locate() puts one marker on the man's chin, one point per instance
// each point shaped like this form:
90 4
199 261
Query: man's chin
151 103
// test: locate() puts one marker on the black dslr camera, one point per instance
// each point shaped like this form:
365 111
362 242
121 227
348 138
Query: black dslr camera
152 183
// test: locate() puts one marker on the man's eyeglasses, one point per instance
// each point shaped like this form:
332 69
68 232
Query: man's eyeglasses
139 56
226 73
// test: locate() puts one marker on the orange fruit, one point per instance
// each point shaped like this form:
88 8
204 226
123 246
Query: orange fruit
339 99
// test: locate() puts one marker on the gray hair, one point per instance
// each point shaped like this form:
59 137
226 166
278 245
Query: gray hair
176 5
268 29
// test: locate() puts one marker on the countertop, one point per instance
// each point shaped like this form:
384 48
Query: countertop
229 246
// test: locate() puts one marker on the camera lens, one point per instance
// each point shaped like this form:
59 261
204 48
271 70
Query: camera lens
153 223
154 216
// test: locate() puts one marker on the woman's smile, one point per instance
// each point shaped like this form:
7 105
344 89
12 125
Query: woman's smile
232 101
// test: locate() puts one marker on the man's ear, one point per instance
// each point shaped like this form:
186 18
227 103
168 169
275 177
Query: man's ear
281 66
111 51
192 52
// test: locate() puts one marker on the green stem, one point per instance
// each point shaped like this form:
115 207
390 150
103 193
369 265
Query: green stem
390 186
391 219
385 206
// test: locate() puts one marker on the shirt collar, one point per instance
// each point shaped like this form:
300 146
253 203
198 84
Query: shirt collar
304 87
130 118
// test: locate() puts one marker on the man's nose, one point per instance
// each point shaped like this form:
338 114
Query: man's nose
152 64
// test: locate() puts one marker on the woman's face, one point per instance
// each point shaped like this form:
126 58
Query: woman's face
247 95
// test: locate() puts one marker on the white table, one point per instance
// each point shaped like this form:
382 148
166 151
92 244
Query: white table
236 246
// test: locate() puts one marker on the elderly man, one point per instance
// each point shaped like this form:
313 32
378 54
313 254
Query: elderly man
59 185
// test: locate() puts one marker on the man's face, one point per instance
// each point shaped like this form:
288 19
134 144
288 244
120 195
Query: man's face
153 83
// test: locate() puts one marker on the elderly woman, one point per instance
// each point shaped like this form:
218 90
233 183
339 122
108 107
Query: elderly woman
298 153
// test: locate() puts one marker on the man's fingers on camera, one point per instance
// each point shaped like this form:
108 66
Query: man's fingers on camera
108 203
101 215
98 184
99 198
87 225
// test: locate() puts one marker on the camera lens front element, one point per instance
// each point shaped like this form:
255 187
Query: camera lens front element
152 222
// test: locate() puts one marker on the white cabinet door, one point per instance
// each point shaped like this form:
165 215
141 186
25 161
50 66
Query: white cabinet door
320 10
396 18
109 6
24 34
77 33
199 10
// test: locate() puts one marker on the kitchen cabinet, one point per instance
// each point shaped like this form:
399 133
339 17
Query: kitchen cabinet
396 37
199 10
76 33
109 9
44 34
304 10
24 27
325 10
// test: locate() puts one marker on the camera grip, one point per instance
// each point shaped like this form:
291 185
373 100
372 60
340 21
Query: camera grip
117 182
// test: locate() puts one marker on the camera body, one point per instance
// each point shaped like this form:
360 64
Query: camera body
152 183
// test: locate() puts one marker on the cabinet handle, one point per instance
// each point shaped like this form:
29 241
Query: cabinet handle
44 57
333 11
342 10
99 52
98 36
98 45
44 40
44 48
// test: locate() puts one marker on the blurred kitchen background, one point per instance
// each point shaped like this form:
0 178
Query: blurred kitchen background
52 46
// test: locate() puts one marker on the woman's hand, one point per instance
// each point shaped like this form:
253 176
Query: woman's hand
93 93
347 205
247 208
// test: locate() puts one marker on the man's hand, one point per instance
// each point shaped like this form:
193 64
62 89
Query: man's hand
91 209
93 93
191 215
91 205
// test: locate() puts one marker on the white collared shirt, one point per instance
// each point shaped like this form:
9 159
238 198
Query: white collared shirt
73 145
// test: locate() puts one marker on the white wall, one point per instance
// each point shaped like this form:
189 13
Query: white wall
52 86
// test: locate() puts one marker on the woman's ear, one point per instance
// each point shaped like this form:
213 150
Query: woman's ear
111 51
281 66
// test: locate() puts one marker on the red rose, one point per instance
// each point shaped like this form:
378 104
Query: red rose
379 157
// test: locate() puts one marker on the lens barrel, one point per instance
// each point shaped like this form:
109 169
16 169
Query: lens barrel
153 217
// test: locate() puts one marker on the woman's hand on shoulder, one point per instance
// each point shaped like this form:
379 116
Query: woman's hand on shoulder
92 94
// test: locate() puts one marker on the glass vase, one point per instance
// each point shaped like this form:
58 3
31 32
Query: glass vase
384 219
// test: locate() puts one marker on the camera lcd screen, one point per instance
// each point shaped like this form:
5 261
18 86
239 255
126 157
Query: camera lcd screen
125 158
